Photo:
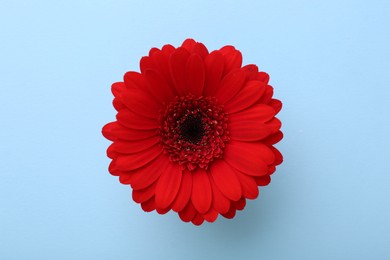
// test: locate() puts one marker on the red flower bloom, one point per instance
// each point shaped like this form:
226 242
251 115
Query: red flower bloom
194 132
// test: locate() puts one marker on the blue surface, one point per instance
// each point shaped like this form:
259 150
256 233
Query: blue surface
329 62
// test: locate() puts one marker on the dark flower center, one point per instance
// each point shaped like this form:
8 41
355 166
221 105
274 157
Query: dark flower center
193 131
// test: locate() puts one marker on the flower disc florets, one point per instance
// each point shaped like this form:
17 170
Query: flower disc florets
194 131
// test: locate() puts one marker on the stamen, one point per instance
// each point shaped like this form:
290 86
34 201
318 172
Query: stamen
194 131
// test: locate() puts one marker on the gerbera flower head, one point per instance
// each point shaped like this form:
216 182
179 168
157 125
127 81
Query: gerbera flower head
195 132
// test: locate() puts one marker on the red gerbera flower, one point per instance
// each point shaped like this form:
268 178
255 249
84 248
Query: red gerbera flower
194 132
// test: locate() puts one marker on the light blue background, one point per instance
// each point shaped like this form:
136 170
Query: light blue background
329 62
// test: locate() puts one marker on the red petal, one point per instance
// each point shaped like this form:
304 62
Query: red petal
111 153
144 195
220 203
118 105
177 62
273 139
188 44
248 185
113 131
153 50
201 191
278 155
135 80
168 49
233 58
267 96
267 155
188 213
158 86
231 213
117 88
184 193
230 86
275 124
248 130
271 169
211 215
214 64
247 125
263 180
148 174
141 102
197 220
195 74
263 77
149 205
108 131
133 120
195 47
146 63
246 157
226 179
240 205
126 147
251 71
137 160
161 59
126 177
112 168
249 94
168 185
276 104
200 49
162 211
258 112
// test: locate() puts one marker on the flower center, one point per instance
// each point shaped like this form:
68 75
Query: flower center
193 131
